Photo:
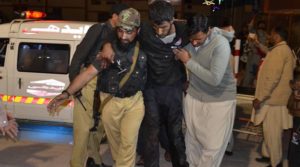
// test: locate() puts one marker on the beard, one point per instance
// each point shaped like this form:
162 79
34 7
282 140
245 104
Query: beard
125 45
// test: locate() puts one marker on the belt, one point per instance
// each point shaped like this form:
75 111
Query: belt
125 94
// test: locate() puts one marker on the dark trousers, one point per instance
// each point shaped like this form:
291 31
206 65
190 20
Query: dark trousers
294 149
162 136
163 105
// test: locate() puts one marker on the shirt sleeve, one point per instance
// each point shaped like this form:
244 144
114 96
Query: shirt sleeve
83 50
219 61
97 64
273 66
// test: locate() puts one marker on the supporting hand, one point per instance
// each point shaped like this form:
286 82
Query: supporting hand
182 54
104 63
108 53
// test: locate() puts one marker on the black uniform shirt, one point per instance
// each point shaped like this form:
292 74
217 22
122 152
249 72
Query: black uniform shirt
111 77
90 45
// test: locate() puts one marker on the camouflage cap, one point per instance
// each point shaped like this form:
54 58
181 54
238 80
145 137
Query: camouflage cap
129 18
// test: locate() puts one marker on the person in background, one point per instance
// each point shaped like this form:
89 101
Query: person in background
122 107
11 127
253 53
211 96
85 141
294 108
271 97
259 30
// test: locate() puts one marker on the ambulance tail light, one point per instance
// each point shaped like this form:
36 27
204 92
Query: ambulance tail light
33 14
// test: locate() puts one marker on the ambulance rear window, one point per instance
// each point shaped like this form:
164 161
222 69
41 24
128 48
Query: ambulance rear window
43 58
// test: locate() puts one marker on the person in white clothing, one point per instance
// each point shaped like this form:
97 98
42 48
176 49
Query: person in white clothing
210 101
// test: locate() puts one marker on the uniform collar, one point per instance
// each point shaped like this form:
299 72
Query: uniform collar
278 44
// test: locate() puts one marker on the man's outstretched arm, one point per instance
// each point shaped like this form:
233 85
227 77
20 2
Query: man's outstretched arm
78 83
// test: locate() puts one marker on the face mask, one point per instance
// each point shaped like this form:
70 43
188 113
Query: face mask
168 38
228 35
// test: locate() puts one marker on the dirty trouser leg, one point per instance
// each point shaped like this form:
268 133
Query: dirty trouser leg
151 130
174 105
163 138
164 103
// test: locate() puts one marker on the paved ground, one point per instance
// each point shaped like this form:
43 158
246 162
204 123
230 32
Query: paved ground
25 153
52 148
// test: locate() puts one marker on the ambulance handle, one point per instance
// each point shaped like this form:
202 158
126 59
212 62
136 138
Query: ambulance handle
20 82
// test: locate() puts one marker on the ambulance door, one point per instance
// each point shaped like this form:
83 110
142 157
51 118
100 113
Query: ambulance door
41 72
3 72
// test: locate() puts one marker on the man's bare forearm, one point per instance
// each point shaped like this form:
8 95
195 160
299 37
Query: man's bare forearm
82 79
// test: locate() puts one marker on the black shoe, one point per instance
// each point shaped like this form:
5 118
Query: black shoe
229 153
167 156
91 163
140 162
278 165
263 159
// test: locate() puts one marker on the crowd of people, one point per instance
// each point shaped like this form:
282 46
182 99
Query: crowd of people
138 81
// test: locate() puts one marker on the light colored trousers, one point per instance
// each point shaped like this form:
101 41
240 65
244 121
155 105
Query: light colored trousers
277 119
209 127
122 118
85 142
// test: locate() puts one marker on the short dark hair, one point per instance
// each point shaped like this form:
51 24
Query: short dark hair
281 31
219 21
117 8
160 11
198 23
261 22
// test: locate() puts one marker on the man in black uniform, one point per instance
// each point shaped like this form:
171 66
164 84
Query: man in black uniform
164 88
85 142
123 106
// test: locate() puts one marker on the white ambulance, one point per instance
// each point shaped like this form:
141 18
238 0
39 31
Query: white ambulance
34 62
